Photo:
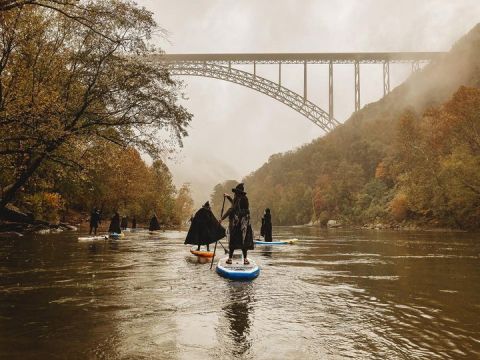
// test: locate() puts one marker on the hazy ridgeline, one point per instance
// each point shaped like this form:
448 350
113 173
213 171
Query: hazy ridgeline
411 156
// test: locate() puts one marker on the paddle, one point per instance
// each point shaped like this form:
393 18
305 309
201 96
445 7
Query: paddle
215 248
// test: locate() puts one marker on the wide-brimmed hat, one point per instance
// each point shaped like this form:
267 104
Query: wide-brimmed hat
239 189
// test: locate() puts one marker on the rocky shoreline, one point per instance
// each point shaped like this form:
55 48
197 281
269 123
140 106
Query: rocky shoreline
409 226
17 229
15 223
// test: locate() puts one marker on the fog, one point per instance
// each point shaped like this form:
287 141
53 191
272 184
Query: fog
235 129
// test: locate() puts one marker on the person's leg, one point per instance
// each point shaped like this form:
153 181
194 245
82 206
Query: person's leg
245 260
208 247
230 255
91 228
95 229
198 248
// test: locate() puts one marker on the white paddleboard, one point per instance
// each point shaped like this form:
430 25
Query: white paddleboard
92 238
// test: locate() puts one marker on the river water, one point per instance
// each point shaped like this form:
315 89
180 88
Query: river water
333 295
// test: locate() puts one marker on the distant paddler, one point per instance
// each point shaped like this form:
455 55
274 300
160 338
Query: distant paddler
114 227
204 228
154 224
240 230
94 221
266 229
124 223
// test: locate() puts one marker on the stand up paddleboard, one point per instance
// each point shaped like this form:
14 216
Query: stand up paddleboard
201 253
237 270
93 238
282 242
116 236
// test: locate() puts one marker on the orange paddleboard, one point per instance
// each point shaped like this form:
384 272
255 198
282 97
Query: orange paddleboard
201 253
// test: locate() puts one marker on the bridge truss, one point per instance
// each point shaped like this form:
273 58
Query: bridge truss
219 66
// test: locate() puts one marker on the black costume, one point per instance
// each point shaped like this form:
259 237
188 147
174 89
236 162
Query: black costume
94 221
205 228
266 230
154 224
124 223
241 234
115 224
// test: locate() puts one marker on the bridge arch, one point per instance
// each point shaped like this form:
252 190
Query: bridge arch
276 91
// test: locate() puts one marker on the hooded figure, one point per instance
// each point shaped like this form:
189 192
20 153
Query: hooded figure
205 228
241 234
154 224
266 230
124 223
94 221
115 224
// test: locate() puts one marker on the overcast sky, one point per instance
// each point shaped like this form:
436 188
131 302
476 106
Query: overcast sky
235 129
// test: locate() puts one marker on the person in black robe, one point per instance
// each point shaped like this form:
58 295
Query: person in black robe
154 224
134 223
266 230
94 221
241 234
204 228
115 224
124 223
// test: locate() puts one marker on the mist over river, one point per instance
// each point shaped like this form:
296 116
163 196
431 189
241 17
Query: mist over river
334 294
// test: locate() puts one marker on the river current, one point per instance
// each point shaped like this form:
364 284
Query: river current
333 295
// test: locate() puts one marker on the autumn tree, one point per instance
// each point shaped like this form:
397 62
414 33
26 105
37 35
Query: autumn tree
62 85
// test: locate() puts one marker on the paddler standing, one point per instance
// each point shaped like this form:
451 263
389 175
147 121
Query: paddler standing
266 230
204 228
94 221
154 224
241 234
115 224
124 223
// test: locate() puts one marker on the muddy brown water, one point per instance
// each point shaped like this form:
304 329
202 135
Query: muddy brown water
334 295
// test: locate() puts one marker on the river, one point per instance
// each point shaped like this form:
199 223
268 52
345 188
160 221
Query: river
334 294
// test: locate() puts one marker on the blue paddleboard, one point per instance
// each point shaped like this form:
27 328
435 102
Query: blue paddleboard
282 242
237 270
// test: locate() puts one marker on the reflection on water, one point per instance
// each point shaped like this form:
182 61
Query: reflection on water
237 313
335 294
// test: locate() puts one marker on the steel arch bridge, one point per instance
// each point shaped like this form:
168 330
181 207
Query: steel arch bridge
219 66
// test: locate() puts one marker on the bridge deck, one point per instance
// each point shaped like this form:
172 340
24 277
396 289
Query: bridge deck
300 58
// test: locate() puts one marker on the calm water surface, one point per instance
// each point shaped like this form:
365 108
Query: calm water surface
335 294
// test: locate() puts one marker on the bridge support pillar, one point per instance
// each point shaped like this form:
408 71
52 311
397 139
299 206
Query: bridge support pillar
304 81
415 66
386 77
330 90
357 85
279 75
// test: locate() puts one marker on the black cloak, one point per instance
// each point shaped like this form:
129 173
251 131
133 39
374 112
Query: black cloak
204 229
241 233
154 224
115 224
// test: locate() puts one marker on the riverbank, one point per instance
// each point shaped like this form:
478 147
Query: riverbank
408 226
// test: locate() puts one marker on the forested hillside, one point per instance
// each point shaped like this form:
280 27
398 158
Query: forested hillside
413 156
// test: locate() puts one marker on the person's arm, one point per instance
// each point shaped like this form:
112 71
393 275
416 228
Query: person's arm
227 214
229 198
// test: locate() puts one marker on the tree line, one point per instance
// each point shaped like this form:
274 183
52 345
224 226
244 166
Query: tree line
77 107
